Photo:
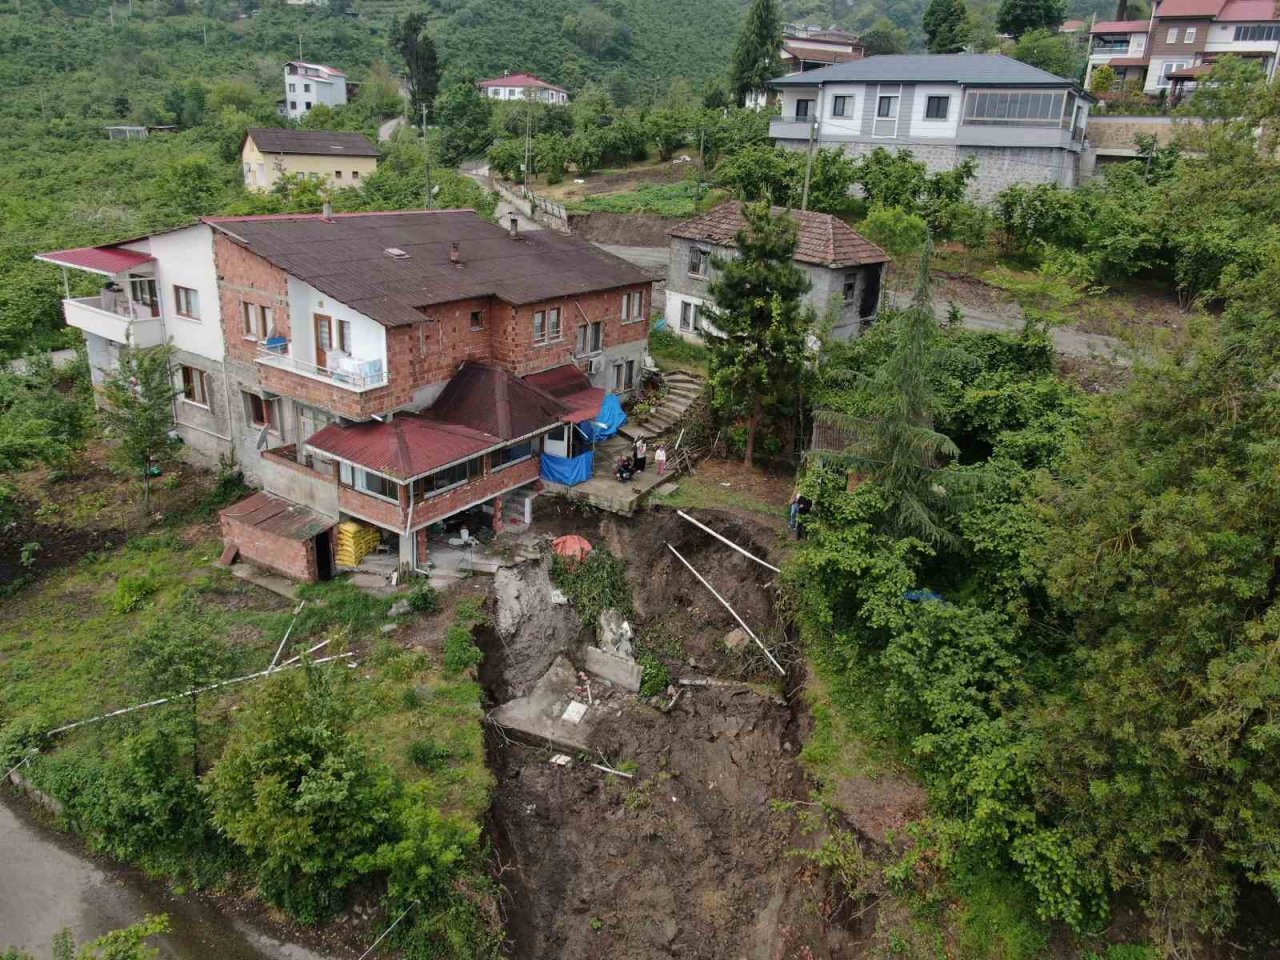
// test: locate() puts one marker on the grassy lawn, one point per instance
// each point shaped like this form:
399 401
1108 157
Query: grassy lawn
673 353
677 200
65 651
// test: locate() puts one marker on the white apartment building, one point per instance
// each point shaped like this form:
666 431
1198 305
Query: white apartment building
307 85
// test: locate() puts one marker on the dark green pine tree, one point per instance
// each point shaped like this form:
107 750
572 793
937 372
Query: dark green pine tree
1016 17
946 26
755 57
757 351
410 39
894 443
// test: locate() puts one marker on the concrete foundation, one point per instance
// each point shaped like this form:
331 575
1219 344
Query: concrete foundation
614 667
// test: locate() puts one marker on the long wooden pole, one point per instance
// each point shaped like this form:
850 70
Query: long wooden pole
741 622
727 541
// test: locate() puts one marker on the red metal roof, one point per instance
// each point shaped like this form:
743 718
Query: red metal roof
571 387
1120 26
278 516
406 447
1248 11
822 239
1188 8
490 400
104 260
520 80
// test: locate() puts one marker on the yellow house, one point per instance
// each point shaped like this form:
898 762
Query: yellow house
343 159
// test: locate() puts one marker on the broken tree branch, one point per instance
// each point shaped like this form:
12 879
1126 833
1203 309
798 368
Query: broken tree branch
285 639
616 773
726 540
742 623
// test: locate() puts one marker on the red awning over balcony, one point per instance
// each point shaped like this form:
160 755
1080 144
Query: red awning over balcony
107 261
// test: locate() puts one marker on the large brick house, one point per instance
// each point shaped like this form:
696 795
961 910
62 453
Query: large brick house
371 367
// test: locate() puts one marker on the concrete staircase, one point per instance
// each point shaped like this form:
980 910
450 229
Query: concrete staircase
682 390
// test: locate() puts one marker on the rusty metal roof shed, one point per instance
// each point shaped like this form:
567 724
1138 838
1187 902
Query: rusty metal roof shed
279 517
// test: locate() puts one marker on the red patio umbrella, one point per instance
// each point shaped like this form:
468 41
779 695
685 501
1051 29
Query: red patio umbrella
571 547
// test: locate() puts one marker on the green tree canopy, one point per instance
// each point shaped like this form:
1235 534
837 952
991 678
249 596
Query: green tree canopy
1016 17
755 55
410 39
946 26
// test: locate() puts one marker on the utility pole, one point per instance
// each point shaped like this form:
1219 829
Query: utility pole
808 164
528 143
426 155
299 44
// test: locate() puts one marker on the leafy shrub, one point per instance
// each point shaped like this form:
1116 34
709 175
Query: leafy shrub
428 754
425 599
594 584
132 592
460 651
655 677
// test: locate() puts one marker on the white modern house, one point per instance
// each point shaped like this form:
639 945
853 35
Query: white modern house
157 289
1021 124
523 86
307 85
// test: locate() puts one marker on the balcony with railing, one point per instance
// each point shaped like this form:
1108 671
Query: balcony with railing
1114 48
116 318
341 370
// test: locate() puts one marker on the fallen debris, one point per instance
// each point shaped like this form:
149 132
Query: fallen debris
726 540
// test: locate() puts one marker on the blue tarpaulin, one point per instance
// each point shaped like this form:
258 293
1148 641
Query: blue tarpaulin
606 422
568 470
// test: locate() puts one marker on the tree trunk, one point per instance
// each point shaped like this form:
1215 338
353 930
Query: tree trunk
753 422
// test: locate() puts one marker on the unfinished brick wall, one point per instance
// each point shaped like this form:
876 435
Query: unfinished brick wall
244 277
293 558
514 346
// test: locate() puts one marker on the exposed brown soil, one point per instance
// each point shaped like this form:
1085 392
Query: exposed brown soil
689 857
623 229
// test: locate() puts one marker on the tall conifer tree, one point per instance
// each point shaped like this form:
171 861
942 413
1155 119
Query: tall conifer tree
755 57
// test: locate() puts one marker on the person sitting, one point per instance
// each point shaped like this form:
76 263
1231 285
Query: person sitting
625 470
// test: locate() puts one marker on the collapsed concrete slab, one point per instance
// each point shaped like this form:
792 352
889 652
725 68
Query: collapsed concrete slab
541 714
615 668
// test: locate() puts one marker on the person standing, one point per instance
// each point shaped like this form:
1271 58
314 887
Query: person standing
641 453
660 458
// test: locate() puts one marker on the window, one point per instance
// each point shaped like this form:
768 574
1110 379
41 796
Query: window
1265 32
804 109
367 482
619 376
306 105
293 104
1189 35
293 88
306 88
699 261
629 380
841 106
1139 44
186 302
355 174
344 336
539 326
1167 68
256 320
887 108
590 338
262 412
850 288
477 320
886 119
448 478
195 388
937 108
1018 107
513 454
632 307
688 316
337 174
553 323
1172 35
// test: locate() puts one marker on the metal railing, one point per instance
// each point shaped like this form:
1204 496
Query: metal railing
122 307
550 207
355 376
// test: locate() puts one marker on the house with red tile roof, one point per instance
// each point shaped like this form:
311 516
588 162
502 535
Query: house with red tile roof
401 370
523 86
845 269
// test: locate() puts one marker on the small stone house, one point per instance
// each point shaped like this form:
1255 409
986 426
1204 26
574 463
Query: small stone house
845 269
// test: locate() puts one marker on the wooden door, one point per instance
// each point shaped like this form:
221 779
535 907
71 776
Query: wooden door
324 339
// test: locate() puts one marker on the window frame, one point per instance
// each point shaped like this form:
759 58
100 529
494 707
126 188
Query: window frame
890 100
471 469
192 297
555 327
702 256
1189 35
255 320
476 320
498 458
808 112
539 326
195 386
931 100
258 402
842 105
1171 36
356 478
689 308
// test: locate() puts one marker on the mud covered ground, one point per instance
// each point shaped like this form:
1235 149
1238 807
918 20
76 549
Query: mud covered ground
690 856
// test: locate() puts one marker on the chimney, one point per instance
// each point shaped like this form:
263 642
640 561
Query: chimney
327 211
455 254
514 226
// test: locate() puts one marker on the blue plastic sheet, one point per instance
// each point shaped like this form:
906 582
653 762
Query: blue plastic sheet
606 422
568 470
